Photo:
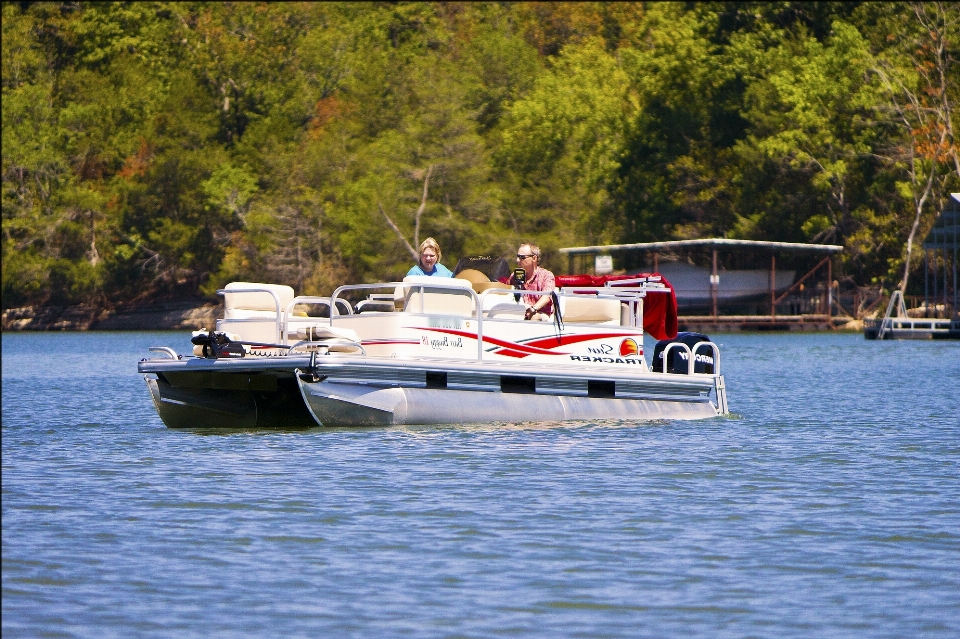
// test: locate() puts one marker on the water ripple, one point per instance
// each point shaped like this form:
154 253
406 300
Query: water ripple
827 506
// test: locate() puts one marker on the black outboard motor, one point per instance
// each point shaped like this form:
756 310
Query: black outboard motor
702 359
217 344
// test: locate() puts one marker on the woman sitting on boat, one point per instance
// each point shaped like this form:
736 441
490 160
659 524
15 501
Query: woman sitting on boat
429 263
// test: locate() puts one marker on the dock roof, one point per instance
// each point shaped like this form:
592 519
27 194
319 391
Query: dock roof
717 243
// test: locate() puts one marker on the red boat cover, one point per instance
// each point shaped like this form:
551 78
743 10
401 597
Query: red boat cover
659 309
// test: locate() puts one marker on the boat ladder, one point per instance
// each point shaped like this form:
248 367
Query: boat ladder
886 324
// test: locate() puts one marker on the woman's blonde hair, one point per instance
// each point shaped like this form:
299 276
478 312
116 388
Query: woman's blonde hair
430 243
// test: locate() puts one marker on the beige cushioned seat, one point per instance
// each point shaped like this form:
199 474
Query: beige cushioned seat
480 287
478 280
472 275
444 296
590 310
259 304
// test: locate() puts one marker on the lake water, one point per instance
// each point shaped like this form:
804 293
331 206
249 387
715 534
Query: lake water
827 506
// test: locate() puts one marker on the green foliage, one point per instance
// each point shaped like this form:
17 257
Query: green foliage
164 149
562 142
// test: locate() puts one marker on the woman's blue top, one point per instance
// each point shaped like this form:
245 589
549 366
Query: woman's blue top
438 269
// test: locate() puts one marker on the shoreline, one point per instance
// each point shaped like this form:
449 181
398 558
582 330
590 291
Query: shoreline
190 314
194 314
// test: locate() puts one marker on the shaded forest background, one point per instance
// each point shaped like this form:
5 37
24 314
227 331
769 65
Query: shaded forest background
154 150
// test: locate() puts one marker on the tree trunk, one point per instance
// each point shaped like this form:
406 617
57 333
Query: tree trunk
919 204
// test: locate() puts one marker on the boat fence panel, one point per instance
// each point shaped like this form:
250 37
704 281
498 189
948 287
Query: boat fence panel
641 390
557 386
472 381
378 376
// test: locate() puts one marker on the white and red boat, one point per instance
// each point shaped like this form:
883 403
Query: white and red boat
438 351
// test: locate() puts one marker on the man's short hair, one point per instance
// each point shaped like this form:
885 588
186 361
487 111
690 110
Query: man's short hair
534 249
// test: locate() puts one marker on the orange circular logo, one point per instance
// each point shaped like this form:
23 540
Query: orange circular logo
629 347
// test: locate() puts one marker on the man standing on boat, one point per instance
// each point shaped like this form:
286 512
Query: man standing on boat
536 278
429 263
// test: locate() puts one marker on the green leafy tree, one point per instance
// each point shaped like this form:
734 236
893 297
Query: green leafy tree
811 109
562 142
920 81
158 149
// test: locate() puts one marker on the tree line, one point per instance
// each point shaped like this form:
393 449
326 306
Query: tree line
161 149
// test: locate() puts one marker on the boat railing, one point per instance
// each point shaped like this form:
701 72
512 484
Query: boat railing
632 296
288 319
324 348
166 350
276 300
315 299
649 283
281 319
691 355
480 301
338 293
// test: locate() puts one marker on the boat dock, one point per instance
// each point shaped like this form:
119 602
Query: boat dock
911 328
724 285
759 323
939 315
897 323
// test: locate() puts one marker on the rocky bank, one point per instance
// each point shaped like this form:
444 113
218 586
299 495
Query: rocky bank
174 315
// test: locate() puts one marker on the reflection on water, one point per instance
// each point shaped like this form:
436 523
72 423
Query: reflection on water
827 506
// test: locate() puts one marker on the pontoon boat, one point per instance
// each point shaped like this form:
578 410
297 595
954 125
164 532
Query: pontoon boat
437 351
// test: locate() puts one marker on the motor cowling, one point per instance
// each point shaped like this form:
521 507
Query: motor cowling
678 358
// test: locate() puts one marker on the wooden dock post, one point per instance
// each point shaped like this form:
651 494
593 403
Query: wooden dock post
714 284
773 286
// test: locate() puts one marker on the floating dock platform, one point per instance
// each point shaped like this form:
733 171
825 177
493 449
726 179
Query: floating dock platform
911 328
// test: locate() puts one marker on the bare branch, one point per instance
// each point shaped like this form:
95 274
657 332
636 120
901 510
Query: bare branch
396 230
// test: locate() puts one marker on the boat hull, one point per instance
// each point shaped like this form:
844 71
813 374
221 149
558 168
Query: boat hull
335 390
345 405
206 406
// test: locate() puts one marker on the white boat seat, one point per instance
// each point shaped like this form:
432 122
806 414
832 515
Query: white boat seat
590 310
260 304
472 275
506 310
320 333
316 308
480 287
448 296
440 302
379 306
